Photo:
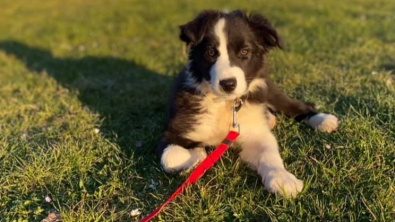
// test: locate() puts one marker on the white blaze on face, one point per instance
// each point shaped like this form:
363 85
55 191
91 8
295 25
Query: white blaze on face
222 69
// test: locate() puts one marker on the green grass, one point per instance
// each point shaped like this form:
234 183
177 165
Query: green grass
70 68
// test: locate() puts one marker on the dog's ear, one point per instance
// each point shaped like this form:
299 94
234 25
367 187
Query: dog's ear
193 32
264 31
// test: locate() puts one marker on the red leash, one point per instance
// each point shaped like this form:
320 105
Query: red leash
207 163
198 172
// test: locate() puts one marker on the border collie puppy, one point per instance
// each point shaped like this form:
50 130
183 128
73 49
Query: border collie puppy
227 61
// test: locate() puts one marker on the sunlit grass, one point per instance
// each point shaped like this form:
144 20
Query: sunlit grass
83 91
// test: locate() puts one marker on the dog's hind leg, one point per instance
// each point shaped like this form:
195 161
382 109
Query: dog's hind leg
176 158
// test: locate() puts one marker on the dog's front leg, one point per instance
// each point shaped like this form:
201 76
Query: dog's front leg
262 154
175 158
299 110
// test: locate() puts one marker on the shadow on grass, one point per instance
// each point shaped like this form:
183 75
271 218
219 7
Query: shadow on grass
129 98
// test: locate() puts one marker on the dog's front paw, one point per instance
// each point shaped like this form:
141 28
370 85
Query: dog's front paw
282 182
324 122
176 158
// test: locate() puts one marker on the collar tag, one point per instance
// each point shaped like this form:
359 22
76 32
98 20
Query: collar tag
238 103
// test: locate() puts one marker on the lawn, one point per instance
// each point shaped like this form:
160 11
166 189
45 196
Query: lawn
83 91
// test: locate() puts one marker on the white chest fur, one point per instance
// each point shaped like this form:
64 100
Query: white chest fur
214 123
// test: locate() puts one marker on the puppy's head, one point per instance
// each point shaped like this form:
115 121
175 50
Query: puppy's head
226 50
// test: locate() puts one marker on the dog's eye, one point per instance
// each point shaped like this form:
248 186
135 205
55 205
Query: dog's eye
244 52
210 52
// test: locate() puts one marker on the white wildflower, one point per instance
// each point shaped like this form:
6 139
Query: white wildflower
48 199
135 212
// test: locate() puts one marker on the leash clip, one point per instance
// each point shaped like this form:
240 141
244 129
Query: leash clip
236 107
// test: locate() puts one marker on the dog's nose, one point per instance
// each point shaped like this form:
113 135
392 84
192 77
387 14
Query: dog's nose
228 85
